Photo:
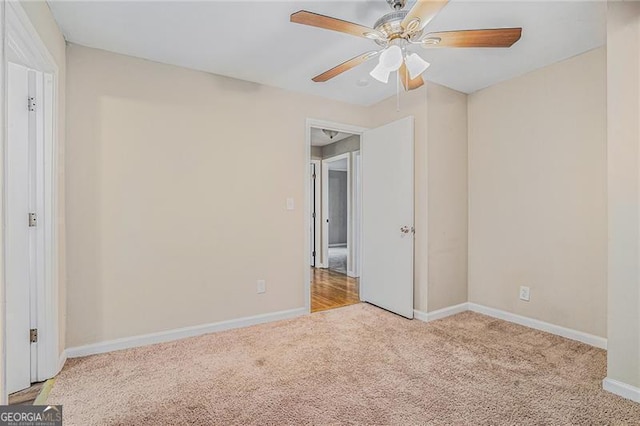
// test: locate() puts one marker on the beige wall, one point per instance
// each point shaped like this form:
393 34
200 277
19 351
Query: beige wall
166 225
447 197
42 19
623 100
440 191
537 194
153 198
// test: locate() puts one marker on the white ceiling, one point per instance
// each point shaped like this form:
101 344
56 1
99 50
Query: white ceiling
319 138
254 40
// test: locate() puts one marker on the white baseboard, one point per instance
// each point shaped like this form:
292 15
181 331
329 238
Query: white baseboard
180 333
440 313
622 389
589 339
420 315
447 312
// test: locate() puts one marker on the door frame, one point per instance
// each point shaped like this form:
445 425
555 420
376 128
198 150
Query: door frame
356 219
319 260
321 124
326 163
23 45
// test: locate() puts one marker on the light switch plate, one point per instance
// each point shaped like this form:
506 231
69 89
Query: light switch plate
262 286
524 293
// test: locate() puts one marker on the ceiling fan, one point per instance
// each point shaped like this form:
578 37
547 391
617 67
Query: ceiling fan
397 32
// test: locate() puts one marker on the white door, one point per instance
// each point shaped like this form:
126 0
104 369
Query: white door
19 236
387 217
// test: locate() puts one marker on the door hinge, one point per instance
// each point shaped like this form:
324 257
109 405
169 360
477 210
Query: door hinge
314 176
33 335
314 253
32 220
32 103
313 215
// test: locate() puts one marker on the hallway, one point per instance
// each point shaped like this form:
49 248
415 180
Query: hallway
330 290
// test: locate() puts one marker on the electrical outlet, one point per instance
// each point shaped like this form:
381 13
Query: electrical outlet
262 286
524 293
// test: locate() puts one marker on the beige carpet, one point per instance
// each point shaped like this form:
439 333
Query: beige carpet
353 365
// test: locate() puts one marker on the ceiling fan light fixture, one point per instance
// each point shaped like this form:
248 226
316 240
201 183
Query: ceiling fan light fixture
415 65
391 58
331 133
381 73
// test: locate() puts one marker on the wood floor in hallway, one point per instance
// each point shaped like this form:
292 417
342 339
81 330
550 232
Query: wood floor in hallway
331 289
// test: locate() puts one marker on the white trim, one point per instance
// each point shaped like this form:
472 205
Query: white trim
440 313
323 124
420 315
332 125
23 41
356 230
589 339
180 333
24 46
621 389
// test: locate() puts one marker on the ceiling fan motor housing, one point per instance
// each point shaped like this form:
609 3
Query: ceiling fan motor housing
390 25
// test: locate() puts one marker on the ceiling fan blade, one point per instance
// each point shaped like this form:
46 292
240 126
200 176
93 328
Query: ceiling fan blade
499 37
316 20
406 82
422 13
345 66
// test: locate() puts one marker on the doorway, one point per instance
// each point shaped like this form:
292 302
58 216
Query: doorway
337 201
380 238
333 196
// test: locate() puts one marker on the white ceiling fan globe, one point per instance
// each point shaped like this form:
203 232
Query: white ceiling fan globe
390 60
416 65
